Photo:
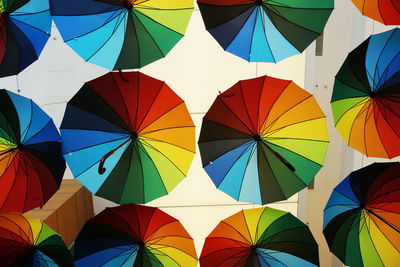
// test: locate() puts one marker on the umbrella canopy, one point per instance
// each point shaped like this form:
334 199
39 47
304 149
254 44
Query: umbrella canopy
384 11
121 34
26 241
366 96
362 217
263 140
24 30
265 31
128 137
260 237
134 235
31 162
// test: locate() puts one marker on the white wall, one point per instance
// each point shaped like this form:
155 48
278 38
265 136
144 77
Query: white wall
197 68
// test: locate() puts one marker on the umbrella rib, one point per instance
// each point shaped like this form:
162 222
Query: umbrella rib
249 241
275 259
364 101
13 16
373 244
161 115
245 106
99 144
168 128
152 147
152 38
267 134
150 107
373 220
245 168
379 58
26 130
159 22
384 220
259 104
129 168
272 123
121 98
234 114
390 109
37 133
264 28
119 21
366 91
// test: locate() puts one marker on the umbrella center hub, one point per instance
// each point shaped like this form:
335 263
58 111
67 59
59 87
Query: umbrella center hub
253 247
257 138
374 94
4 14
134 136
259 2
127 4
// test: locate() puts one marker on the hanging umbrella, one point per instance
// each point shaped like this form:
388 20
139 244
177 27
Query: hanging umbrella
362 217
260 237
128 137
134 235
384 11
25 241
24 30
366 96
263 140
121 34
265 31
31 162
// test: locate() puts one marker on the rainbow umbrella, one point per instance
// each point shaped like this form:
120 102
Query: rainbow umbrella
384 11
128 137
121 34
31 162
24 30
263 140
366 96
134 235
260 237
265 31
362 217
25 241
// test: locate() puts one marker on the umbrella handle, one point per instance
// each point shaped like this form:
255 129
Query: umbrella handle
101 169
290 166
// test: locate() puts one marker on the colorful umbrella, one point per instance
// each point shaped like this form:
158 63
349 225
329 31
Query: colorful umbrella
260 237
366 96
26 241
128 137
362 217
121 34
384 11
31 162
134 235
265 31
263 140
24 30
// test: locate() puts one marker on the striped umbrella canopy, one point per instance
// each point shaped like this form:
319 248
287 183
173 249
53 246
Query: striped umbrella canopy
366 96
384 11
263 140
265 30
134 235
121 34
362 217
25 27
31 161
128 137
260 237
26 241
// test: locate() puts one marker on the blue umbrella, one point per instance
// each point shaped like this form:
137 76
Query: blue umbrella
24 30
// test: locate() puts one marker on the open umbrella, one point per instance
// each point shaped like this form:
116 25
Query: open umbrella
26 241
265 31
260 237
384 11
31 162
134 235
24 30
128 137
362 217
263 140
121 34
366 96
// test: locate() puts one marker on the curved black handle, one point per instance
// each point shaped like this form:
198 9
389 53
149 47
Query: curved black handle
101 169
